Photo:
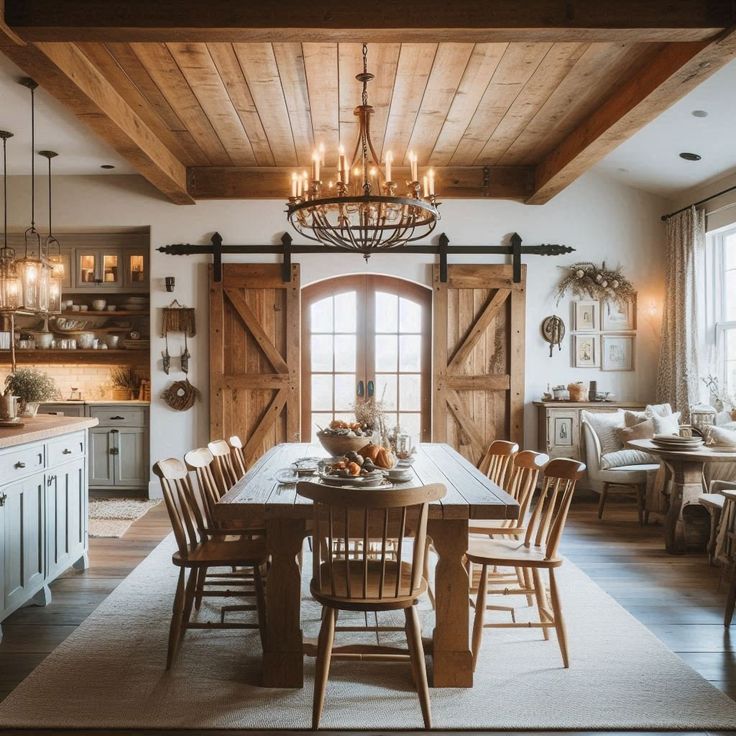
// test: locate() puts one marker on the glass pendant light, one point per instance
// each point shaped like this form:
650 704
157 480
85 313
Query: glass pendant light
54 260
34 272
9 281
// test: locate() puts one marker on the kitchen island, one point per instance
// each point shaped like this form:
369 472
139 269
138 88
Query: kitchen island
43 506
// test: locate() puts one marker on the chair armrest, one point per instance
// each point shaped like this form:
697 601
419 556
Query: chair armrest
716 486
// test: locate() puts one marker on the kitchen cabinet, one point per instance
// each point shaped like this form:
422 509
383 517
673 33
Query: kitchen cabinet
135 273
101 455
24 545
98 268
119 447
66 511
43 507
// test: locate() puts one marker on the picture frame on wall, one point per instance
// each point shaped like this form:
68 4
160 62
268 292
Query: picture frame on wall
618 317
586 316
618 352
586 351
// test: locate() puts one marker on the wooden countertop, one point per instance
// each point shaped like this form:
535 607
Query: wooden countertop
43 427
586 404
98 402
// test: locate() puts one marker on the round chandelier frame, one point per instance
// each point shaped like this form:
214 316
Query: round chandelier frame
351 217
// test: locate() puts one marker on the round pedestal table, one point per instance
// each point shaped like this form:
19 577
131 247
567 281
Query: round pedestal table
686 473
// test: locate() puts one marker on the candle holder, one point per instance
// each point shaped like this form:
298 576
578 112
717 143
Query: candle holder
390 188
414 189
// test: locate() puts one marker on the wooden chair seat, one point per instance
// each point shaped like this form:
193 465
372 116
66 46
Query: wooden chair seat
373 597
508 554
217 553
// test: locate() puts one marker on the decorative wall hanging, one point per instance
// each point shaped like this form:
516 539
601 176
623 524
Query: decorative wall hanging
553 331
596 282
180 395
178 318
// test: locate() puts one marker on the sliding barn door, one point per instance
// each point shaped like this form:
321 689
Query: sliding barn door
478 357
254 347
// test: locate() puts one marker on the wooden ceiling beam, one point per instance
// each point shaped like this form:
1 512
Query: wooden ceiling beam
326 20
671 73
69 75
453 182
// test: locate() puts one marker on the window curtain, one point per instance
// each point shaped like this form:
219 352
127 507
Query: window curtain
678 375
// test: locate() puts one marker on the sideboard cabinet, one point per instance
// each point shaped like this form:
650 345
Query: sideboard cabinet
559 424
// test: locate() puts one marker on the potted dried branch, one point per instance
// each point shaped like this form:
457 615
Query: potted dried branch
125 384
32 388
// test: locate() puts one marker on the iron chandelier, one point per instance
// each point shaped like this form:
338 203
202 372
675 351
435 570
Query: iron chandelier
347 214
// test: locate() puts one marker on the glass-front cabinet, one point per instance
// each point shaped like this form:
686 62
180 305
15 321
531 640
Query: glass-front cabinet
99 268
136 269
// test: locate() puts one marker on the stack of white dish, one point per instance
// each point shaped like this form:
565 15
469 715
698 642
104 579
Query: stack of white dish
675 442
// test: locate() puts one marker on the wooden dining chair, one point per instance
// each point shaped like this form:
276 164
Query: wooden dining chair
537 552
200 548
522 487
238 456
223 467
371 578
497 460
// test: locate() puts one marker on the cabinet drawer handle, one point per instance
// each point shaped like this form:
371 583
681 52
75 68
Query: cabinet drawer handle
2 499
66 451
117 418
20 465
114 451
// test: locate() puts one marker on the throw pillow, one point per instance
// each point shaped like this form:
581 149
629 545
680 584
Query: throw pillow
632 418
642 431
666 425
605 424
660 410
623 458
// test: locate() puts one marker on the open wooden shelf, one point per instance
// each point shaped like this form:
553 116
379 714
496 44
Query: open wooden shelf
41 357
104 313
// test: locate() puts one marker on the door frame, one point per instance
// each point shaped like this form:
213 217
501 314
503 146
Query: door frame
359 282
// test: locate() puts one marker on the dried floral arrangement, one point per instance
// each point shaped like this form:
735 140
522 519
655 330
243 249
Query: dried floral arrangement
720 398
370 413
586 279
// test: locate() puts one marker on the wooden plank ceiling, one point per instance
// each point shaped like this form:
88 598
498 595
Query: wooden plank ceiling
517 119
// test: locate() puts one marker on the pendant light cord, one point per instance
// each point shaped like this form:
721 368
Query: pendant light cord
33 159
5 192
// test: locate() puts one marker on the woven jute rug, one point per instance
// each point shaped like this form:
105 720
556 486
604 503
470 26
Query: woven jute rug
110 674
112 517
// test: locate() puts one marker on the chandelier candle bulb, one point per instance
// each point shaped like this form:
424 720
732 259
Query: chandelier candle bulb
315 166
293 184
425 186
321 149
431 182
389 161
413 165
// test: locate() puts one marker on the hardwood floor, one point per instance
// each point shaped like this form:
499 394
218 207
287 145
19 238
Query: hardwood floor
677 597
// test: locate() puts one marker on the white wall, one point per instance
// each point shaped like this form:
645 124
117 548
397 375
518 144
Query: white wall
602 219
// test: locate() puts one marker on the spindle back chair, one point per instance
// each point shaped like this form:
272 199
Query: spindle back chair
197 551
496 462
372 576
238 456
224 468
539 550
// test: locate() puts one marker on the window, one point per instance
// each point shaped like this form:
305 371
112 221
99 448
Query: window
724 311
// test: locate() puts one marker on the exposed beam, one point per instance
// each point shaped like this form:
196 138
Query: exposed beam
673 71
66 73
453 182
326 20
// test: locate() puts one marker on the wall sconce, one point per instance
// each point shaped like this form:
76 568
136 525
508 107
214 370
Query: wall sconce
170 283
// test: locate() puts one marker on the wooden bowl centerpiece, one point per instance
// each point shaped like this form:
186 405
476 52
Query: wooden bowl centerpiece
342 437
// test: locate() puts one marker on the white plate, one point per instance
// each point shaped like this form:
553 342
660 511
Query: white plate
722 448
378 485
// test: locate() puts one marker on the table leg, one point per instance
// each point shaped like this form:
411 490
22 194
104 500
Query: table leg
283 658
452 658
687 485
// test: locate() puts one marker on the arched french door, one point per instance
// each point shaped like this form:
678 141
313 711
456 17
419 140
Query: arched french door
366 336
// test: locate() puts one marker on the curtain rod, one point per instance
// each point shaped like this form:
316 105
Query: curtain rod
664 218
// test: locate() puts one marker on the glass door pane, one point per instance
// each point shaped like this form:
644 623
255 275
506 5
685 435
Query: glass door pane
110 269
87 268
333 359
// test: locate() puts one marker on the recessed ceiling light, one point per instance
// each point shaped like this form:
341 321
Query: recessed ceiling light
107 166
622 170
690 156
699 113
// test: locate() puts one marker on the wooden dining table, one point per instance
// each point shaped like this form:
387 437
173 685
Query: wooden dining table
259 497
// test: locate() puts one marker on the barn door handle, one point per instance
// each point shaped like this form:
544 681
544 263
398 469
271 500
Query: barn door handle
371 389
360 391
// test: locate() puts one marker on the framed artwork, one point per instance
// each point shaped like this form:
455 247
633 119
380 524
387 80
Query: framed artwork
618 317
562 432
587 316
617 352
586 351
